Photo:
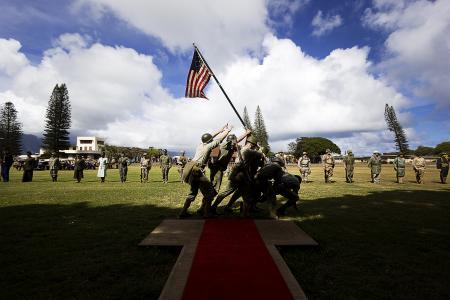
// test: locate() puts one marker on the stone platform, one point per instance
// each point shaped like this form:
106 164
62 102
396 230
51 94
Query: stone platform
186 233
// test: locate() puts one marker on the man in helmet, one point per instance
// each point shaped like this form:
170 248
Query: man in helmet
165 162
181 162
241 176
328 165
375 166
284 184
226 151
349 165
194 172
304 164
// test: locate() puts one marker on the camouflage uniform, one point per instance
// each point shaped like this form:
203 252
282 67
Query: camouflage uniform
443 166
54 166
80 165
304 164
375 167
146 165
181 163
419 166
399 167
165 162
349 164
328 165
123 163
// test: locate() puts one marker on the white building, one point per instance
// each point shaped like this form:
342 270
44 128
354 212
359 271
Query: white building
87 145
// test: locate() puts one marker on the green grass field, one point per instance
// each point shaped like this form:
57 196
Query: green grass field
79 241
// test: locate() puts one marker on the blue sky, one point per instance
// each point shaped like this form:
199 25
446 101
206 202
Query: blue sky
363 49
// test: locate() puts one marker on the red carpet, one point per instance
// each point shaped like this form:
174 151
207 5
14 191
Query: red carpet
232 262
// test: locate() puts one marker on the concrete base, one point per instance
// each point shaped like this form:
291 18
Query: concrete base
186 233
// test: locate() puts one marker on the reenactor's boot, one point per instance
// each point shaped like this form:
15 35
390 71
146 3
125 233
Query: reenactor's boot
184 213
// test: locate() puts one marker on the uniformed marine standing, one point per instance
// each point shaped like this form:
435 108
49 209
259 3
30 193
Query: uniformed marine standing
399 167
80 165
165 163
181 163
328 165
28 167
123 163
349 165
54 166
146 165
443 166
419 166
304 164
194 173
375 167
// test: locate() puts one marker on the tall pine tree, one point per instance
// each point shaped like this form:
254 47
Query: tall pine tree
10 129
56 136
401 143
247 122
260 131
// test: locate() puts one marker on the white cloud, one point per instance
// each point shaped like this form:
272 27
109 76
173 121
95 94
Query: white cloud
222 28
117 93
418 45
323 25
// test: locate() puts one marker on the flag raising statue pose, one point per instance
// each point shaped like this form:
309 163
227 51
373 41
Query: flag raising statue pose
198 78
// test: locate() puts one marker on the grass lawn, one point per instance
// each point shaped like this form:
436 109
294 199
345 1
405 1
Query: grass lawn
79 241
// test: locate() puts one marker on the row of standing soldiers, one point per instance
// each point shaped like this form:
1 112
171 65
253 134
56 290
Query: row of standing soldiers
253 178
374 163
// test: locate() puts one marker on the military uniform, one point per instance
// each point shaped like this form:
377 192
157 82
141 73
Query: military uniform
375 167
304 164
218 167
6 164
123 168
328 165
419 166
28 167
165 162
80 165
399 167
443 166
241 181
54 166
181 163
349 164
194 175
288 187
146 165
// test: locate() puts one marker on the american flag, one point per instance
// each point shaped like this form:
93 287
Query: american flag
198 78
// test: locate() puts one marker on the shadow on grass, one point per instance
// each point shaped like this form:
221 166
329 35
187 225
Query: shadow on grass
386 245
78 251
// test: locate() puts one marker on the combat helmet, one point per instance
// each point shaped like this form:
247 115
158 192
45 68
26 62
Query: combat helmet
165 151
206 138
231 137
278 161
252 140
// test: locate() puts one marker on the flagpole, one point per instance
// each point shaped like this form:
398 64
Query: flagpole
223 91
